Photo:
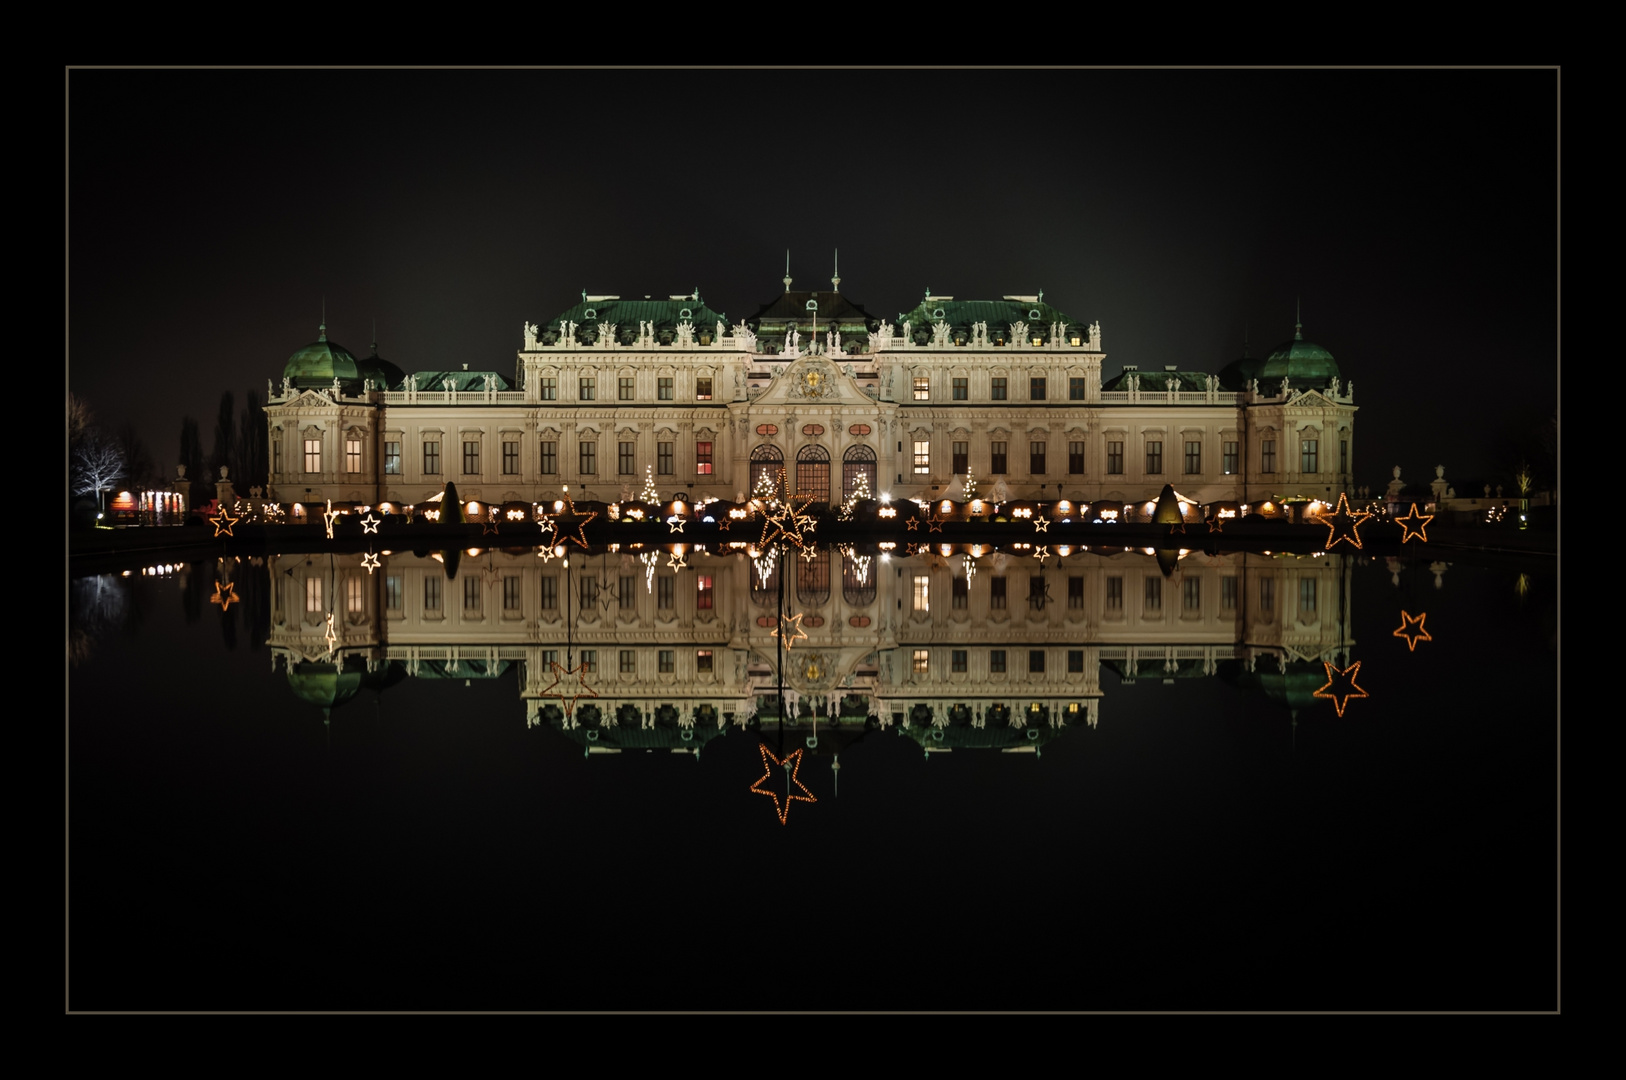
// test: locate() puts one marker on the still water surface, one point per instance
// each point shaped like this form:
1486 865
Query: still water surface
1139 803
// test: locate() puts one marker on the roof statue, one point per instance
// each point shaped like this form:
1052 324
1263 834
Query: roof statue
940 334
1019 333
530 337
1095 336
744 339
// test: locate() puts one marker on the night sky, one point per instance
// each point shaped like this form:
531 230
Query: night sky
1414 212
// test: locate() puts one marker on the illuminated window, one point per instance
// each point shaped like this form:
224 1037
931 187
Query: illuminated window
624 457
996 594
353 602
996 661
702 392
313 594
703 661
996 457
1307 456
431 456
471 594
665 593
1228 593
589 458
702 458
1115 594
590 661
627 594
1154 594
1267 594
1154 457
392 593
1036 389
510 458
313 455
1075 664
957 660
1075 458
550 594
958 596
663 389
996 388
1075 593
471 458
352 455
1115 458
1307 595
923 456
392 459
1229 458
668 661
550 389
922 594
663 458
585 389
1191 594
431 592
923 391
629 662
1267 456
1035 661
1036 452
922 658
550 458
624 388
703 592
1075 389
962 457
1194 457
961 389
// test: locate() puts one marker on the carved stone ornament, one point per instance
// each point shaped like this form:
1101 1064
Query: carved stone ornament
814 379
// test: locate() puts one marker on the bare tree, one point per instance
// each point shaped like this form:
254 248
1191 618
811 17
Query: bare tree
97 464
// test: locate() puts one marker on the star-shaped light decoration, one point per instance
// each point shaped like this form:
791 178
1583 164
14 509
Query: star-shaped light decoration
1042 552
1177 527
225 595
370 561
676 561
224 521
1344 681
912 524
786 519
674 524
544 523
370 523
1041 525
934 522
1038 600
546 553
1411 628
1344 524
567 700
574 522
810 553
1414 524
767 784
330 637
488 526
329 518
790 630
608 593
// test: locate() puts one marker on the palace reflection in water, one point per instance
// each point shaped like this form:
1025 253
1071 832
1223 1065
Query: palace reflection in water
956 646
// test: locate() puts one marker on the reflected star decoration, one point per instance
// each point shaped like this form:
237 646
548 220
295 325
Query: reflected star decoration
1411 628
1414 524
790 630
792 765
576 522
370 561
330 637
567 701
1345 684
1344 524
227 598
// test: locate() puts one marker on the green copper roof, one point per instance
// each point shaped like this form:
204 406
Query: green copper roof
627 314
998 314
1158 381
319 363
461 381
1304 364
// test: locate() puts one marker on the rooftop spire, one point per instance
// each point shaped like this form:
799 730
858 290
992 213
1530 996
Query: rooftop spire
787 269
1298 319
375 336
835 279
321 329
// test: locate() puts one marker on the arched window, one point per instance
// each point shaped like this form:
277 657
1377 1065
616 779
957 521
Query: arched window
813 579
858 580
813 473
765 587
765 459
857 461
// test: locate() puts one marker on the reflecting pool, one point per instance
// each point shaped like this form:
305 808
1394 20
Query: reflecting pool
927 777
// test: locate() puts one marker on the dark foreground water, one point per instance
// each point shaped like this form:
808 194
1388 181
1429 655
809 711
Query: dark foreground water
1216 841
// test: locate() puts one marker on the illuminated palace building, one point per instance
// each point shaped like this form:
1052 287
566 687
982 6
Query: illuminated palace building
1009 391
958 647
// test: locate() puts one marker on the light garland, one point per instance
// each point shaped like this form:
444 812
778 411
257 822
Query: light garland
1412 637
791 765
1346 682
649 494
1409 530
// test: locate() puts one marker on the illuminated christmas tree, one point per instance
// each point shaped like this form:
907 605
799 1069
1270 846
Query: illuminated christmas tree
859 493
649 494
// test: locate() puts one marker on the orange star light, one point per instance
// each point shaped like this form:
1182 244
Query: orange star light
1345 681
934 522
1413 636
574 522
792 627
793 764
567 701
228 597
1409 530
1344 524
223 522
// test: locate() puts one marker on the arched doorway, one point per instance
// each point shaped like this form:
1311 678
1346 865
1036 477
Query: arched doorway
813 474
766 460
858 461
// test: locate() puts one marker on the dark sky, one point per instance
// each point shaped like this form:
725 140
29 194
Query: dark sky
1415 213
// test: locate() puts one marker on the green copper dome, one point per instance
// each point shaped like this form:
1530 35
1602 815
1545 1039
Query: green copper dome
1304 364
319 363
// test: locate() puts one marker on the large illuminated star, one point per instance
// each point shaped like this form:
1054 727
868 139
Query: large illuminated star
674 524
1419 529
1417 633
489 525
567 701
788 520
575 522
369 524
934 522
1344 524
228 597
1041 525
790 630
1344 681
370 561
795 791
224 521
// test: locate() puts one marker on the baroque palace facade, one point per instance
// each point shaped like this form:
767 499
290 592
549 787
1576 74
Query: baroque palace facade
1009 390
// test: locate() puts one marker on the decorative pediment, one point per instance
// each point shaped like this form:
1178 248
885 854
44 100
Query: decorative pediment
812 379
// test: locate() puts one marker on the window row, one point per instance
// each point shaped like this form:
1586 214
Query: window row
627 661
625 388
547 458
999 388
998 661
